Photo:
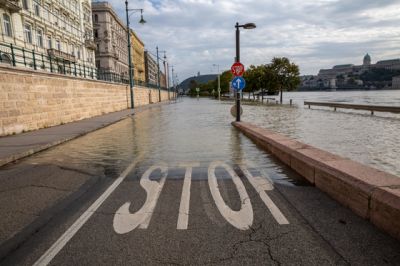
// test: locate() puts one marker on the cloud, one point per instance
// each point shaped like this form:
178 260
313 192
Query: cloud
313 33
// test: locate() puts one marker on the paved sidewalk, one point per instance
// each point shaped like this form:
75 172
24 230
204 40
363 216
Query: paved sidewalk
22 145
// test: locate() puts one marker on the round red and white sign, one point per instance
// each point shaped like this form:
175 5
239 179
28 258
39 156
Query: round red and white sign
237 69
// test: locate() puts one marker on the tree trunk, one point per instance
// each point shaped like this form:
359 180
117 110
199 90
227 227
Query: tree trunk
262 95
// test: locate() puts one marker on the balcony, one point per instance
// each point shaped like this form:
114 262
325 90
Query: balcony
90 44
61 55
11 5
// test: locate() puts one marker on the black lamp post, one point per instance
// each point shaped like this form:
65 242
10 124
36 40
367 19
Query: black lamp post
247 26
158 74
142 21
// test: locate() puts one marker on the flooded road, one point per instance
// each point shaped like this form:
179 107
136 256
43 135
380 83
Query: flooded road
372 140
175 184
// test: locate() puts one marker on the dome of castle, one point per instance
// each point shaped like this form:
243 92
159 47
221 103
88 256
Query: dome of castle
367 59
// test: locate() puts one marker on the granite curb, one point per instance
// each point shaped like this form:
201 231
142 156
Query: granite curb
370 193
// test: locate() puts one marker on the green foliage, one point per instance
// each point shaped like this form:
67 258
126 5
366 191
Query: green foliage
226 78
286 75
192 87
279 75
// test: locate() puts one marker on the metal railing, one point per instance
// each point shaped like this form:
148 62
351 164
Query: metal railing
54 61
62 63
372 108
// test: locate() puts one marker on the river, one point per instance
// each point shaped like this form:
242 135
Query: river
372 140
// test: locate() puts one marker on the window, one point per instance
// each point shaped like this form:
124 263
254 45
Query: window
49 42
28 33
96 18
25 4
39 37
46 12
58 45
79 54
7 25
96 34
36 6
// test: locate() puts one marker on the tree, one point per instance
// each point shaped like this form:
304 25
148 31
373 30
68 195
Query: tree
285 75
226 78
192 87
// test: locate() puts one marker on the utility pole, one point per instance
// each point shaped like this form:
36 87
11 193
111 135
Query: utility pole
165 71
173 81
158 75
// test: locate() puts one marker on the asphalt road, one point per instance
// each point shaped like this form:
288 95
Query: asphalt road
178 186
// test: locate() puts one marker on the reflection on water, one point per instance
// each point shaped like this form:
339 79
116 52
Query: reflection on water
373 140
189 131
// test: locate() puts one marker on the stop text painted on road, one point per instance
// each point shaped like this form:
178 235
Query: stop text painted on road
125 222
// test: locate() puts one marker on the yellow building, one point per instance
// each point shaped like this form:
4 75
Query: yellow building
137 52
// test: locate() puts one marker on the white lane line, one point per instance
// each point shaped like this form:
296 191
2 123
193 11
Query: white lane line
261 184
242 219
124 220
46 258
183 218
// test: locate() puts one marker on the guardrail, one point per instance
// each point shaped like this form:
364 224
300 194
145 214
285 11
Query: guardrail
372 108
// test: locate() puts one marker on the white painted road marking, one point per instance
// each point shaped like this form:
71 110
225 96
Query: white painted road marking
183 218
261 184
73 229
124 221
242 219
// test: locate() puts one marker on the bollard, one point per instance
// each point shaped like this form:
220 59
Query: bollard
291 102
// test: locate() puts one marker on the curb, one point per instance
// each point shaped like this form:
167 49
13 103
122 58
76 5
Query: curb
370 193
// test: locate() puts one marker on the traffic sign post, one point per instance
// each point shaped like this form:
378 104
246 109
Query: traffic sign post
238 84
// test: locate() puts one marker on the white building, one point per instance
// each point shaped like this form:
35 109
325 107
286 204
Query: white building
58 32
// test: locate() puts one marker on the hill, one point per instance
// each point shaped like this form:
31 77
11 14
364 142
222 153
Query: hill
202 79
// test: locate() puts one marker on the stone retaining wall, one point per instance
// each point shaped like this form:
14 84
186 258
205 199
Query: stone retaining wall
370 193
31 100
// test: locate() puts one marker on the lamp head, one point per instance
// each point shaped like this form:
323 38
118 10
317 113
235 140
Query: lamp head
249 26
141 21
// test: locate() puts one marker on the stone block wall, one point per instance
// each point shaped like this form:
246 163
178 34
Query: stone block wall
31 100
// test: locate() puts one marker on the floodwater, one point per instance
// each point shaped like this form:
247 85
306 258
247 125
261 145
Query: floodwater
188 131
372 140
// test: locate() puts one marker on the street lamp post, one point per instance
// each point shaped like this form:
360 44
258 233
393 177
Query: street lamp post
158 73
142 21
166 73
246 26
158 76
219 83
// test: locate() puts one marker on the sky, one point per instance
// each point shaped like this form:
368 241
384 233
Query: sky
314 34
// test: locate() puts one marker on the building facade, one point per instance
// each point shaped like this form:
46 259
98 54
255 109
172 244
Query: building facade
163 80
44 33
111 40
137 53
150 69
